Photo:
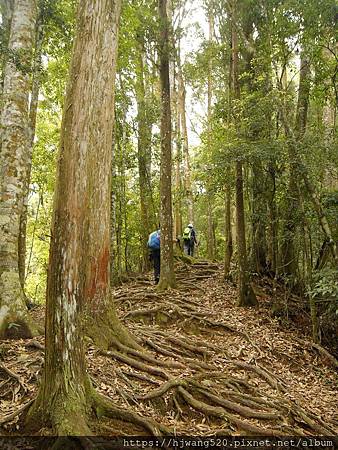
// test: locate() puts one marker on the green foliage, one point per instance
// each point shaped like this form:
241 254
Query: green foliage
271 36
326 285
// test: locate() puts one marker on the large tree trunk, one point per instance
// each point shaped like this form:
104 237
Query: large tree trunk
246 295
167 278
14 167
78 291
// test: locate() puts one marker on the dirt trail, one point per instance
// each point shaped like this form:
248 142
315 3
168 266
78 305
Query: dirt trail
208 367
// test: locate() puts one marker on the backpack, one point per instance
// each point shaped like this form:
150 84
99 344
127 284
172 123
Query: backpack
187 234
154 240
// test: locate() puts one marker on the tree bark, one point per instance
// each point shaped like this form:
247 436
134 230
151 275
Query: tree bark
178 159
144 157
167 278
6 9
246 295
78 291
228 234
272 241
211 241
210 228
258 255
14 169
33 108
185 142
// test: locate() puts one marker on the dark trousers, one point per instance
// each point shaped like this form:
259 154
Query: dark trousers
156 257
189 248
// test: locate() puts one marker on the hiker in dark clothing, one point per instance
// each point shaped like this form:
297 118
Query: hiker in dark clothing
154 244
189 240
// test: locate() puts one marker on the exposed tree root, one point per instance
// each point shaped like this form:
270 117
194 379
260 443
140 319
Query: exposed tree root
162 389
260 371
16 413
146 357
242 410
235 399
217 411
136 364
14 375
141 377
35 344
195 362
104 406
326 354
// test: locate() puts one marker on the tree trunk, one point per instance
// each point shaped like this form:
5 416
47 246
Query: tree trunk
272 243
114 270
33 108
228 234
303 96
178 162
78 291
211 240
144 156
210 233
246 295
258 255
120 186
14 166
185 141
167 278
6 9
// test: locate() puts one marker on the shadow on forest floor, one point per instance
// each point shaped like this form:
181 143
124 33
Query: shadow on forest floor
208 366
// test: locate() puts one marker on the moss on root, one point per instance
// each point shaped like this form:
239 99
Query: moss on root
66 413
107 329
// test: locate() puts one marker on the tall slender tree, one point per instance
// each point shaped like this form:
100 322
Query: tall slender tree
246 295
228 234
14 167
33 109
210 224
167 278
185 141
178 159
144 126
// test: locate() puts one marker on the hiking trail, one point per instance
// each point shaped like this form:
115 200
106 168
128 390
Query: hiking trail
208 367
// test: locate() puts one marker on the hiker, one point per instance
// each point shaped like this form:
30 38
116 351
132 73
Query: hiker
154 243
189 240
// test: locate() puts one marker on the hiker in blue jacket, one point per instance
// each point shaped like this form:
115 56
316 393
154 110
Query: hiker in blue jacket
154 244
189 240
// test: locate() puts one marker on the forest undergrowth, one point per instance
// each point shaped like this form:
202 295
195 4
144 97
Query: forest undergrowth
207 366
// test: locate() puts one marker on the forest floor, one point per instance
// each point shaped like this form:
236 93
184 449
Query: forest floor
208 367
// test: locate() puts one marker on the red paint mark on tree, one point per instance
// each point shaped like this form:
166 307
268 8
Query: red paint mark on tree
97 284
